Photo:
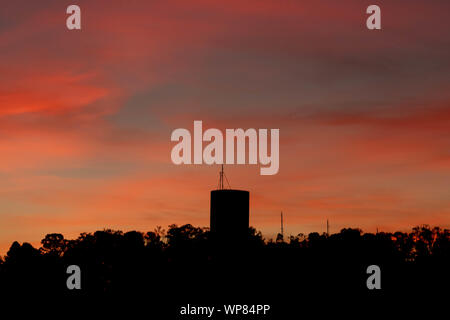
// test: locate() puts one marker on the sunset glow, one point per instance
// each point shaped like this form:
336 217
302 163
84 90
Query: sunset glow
86 117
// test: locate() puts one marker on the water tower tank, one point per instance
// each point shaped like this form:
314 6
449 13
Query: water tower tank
229 214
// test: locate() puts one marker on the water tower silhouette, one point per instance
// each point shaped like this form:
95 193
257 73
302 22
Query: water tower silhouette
229 213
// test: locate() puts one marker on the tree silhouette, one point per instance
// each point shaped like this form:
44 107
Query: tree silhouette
54 244
184 261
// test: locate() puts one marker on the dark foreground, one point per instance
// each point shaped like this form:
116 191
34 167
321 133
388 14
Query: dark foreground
187 266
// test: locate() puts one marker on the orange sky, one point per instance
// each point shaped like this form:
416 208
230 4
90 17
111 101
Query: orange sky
86 116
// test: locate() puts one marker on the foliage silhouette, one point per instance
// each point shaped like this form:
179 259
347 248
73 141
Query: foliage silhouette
184 261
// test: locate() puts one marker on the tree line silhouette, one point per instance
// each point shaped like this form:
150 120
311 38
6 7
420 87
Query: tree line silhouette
186 261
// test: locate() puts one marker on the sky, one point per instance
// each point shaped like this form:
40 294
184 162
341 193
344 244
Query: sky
86 115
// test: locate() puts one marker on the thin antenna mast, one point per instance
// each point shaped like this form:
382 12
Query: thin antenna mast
221 179
282 229
328 228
